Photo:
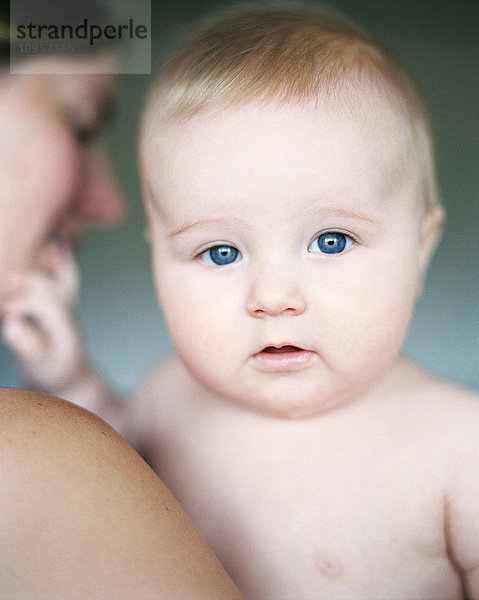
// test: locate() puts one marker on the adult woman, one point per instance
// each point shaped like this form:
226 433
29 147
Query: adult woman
82 516
55 176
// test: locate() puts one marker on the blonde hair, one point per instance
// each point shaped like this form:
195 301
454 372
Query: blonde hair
288 52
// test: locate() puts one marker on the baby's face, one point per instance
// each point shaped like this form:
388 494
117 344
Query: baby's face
286 249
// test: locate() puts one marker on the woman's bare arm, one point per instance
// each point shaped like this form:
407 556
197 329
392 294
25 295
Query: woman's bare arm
83 516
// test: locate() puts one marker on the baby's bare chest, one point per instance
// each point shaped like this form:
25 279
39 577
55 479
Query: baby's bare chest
301 519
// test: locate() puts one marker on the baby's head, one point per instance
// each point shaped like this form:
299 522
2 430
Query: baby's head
288 174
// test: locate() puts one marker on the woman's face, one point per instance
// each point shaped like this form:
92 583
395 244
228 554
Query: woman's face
54 176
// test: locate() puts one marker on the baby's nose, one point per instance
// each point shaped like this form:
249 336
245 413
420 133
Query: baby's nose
274 294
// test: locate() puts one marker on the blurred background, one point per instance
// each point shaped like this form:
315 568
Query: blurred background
438 42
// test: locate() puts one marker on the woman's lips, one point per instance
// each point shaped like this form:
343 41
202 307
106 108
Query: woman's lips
283 358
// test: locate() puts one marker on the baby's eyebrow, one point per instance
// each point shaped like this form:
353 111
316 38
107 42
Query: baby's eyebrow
323 212
191 226
350 213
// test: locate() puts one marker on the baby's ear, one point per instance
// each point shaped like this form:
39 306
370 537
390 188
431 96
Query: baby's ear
430 234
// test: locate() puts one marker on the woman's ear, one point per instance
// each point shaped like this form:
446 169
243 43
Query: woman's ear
430 233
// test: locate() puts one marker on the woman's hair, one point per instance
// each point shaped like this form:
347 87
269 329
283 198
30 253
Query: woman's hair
4 31
289 52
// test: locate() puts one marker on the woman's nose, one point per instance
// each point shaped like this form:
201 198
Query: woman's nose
274 295
102 202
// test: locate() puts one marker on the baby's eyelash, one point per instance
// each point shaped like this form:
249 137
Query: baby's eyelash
219 255
332 242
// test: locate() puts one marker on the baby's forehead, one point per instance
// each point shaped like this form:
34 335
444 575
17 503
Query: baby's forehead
276 153
369 120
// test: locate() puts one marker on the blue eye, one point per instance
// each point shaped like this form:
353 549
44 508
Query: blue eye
220 255
332 242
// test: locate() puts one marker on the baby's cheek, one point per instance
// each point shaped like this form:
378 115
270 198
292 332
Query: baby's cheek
205 333
365 314
188 308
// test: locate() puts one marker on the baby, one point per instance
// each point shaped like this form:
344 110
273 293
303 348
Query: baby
287 167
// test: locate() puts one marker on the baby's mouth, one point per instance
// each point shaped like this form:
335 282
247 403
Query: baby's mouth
285 357
281 349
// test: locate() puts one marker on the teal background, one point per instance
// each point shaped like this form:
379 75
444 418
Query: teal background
438 43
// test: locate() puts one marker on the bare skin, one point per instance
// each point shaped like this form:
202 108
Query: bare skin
349 474
84 517
368 501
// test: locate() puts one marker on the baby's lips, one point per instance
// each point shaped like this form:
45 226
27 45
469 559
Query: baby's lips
282 349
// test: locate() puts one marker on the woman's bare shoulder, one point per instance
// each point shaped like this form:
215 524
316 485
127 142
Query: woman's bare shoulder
84 516
32 413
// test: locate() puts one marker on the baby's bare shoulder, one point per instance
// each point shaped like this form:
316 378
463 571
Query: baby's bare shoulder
169 377
168 394
457 406
441 417
167 388
438 401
